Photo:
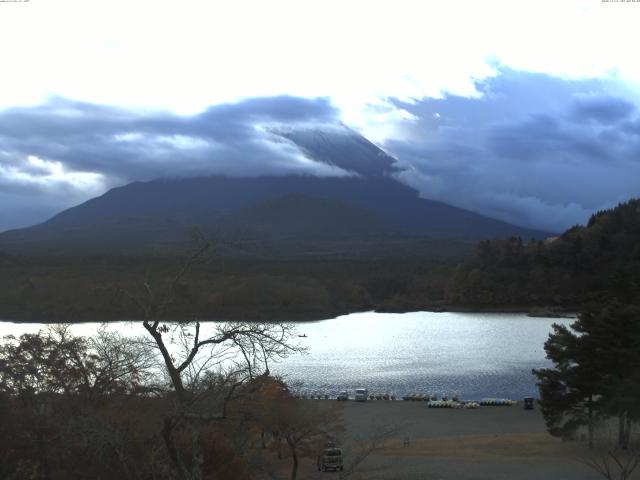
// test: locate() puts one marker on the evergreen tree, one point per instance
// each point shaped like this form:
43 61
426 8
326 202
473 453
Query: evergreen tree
596 373
569 392
613 335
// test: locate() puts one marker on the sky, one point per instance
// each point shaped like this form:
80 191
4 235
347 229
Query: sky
526 111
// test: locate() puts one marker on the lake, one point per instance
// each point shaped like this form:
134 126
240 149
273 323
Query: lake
477 355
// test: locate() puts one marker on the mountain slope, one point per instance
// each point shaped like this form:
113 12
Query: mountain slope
302 217
343 148
158 215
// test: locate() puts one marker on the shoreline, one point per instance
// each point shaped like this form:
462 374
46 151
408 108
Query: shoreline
302 317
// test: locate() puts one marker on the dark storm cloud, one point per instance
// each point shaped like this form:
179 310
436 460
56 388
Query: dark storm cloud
55 154
531 149
540 137
142 145
605 110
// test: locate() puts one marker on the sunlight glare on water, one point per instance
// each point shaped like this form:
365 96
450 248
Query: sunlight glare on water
478 355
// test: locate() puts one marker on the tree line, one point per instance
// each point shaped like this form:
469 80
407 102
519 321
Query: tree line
69 289
584 264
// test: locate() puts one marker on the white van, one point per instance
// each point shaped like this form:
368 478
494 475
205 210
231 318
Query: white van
361 395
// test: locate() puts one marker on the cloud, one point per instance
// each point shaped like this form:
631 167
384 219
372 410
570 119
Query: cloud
141 145
602 109
528 148
32 189
62 152
531 149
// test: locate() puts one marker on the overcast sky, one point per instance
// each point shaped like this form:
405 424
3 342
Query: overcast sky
528 111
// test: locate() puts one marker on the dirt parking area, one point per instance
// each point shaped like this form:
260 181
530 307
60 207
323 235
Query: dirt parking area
490 443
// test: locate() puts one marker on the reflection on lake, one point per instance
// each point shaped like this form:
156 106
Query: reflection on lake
478 355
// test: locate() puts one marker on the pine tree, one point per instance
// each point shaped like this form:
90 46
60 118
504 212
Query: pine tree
596 372
569 392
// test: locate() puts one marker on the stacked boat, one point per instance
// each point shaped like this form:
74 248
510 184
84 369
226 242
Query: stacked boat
452 404
497 402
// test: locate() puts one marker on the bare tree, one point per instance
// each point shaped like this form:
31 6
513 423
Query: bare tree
611 459
305 427
190 350
363 446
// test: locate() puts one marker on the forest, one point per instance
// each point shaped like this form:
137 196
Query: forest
585 263
94 288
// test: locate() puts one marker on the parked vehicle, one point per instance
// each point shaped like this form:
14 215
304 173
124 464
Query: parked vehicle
331 459
361 394
343 395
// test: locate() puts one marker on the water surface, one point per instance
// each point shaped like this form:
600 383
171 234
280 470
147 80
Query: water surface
477 355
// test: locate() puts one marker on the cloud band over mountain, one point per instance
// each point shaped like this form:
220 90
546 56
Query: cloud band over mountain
530 149
63 152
